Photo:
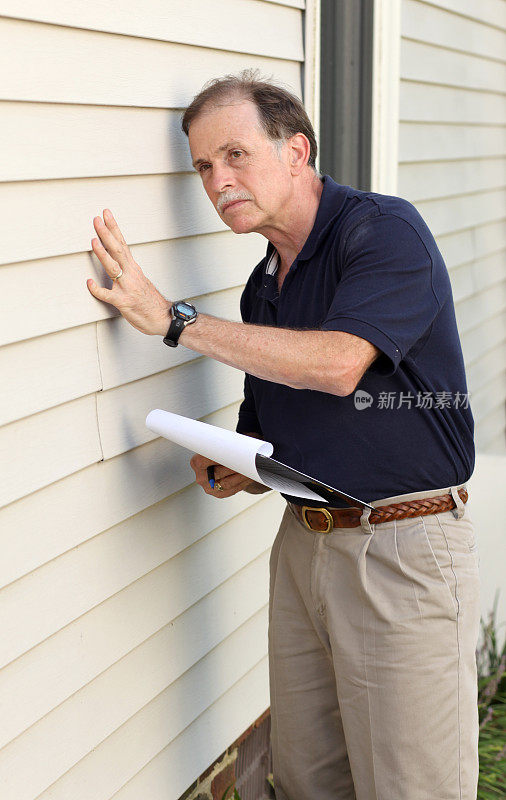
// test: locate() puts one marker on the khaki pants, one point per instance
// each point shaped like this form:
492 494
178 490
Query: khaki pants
372 637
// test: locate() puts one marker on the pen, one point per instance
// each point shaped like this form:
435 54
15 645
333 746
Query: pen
210 476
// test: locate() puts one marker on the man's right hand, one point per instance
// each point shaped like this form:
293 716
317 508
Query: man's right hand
232 482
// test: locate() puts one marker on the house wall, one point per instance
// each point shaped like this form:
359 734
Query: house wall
133 606
452 166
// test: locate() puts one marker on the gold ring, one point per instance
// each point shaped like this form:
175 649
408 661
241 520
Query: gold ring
120 273
218 486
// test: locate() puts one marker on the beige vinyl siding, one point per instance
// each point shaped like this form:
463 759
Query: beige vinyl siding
452 166
133 606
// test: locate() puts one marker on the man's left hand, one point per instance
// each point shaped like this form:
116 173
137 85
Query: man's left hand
135 297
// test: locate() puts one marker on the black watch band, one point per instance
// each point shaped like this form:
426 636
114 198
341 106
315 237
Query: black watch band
175 330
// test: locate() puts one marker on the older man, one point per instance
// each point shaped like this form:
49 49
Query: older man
373 616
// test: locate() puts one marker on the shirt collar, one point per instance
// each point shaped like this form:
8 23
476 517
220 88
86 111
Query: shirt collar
331 202
272 260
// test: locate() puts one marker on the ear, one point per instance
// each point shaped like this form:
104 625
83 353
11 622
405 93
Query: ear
300 150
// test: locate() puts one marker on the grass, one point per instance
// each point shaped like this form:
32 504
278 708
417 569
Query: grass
491 665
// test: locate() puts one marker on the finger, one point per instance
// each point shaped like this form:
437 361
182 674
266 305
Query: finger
109 264
229 482
223 472
113 225
202 479
114 247
221 495
229 492
234 481
99 292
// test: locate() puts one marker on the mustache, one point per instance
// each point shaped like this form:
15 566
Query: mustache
231 197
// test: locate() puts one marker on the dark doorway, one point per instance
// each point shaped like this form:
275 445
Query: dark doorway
346 91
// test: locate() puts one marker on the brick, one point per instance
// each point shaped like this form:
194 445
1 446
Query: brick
222 780
208 771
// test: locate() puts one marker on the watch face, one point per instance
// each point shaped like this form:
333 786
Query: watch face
185 310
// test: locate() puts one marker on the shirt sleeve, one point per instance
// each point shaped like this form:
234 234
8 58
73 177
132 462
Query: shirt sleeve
385 294
248 420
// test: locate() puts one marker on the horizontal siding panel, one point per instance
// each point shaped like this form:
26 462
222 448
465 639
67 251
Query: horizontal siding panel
293 3
422 142
478 275
488 397
61 214
60 516
462 282
74 728
440 27
489 434
192 389
121 624
426 181
423 62
256 26
167 527
47 446
472 243
129 747
167 654
489 12
125 618
466 211
167 775
478 340
422 102
38 63
486 366
489 271
49 141
68 360
185 267
482 304
32 690
126 355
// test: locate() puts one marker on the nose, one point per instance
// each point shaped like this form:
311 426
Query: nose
222 178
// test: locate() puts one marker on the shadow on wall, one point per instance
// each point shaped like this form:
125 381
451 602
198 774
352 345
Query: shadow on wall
486 499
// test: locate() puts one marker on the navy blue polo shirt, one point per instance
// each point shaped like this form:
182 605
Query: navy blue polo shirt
370 267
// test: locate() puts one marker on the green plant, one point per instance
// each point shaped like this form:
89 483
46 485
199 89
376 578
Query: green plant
491 664
235 796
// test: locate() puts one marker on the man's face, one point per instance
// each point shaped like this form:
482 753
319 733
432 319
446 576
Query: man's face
242 173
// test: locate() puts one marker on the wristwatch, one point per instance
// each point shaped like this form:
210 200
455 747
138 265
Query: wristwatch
183 314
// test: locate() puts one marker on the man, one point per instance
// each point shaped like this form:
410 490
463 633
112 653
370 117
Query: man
354 371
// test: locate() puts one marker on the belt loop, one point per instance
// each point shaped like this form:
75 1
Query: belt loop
460 509
364 521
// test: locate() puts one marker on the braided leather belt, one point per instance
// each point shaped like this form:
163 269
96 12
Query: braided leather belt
324 519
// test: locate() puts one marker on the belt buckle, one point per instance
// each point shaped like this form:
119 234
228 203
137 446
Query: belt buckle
327 514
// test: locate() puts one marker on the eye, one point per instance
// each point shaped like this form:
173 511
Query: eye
236 153
203 168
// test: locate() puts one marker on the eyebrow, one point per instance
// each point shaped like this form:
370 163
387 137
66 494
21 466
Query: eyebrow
223 147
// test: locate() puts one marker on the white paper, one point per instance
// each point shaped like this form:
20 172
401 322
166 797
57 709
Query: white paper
229 448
